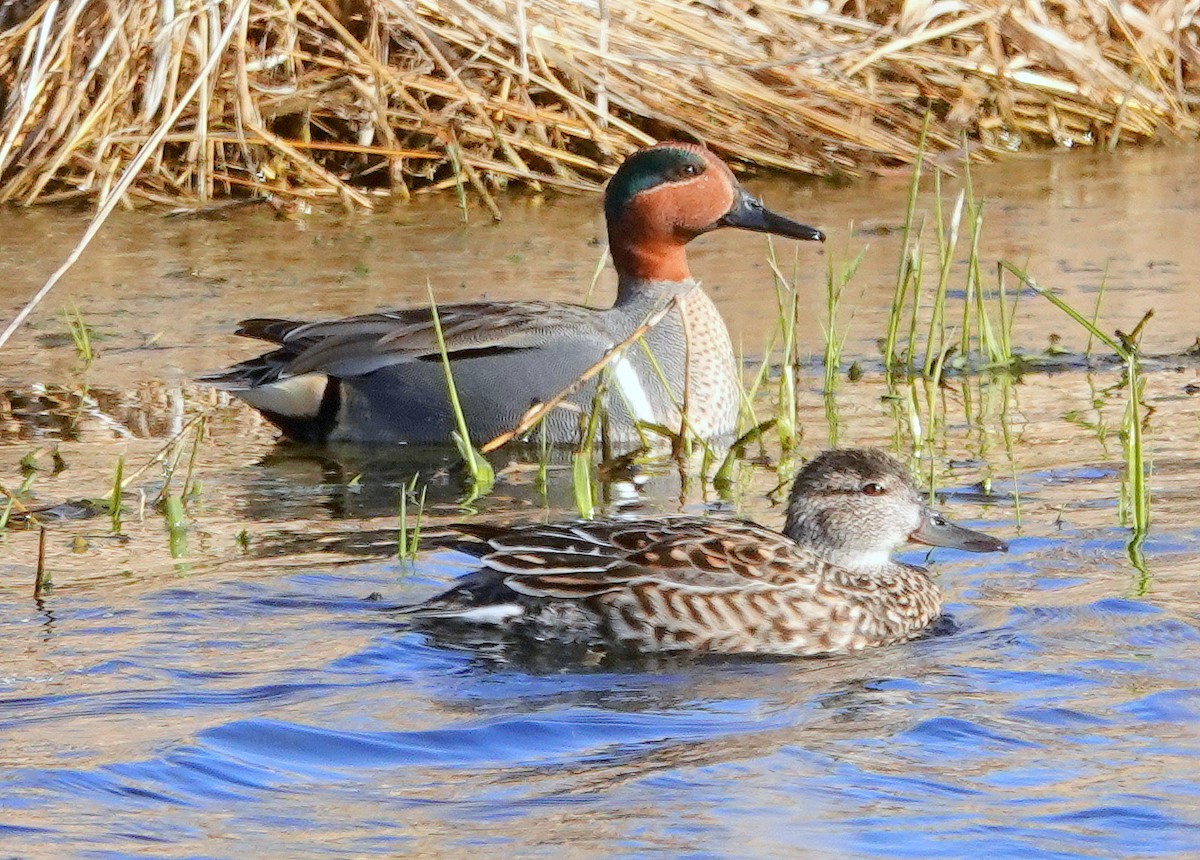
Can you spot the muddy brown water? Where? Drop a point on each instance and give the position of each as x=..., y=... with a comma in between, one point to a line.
x=233, y=690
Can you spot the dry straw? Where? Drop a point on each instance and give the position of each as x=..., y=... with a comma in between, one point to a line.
x=345, y=98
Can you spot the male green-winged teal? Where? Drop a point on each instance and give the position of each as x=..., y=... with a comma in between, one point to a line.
x=379, y=377
x=827, y=584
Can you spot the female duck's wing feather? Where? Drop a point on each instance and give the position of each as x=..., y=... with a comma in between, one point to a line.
x=586, y=559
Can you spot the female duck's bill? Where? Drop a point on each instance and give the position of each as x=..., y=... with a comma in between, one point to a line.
x=827, y=584
x=936, y=530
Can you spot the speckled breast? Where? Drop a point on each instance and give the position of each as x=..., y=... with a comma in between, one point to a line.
x=713, y=382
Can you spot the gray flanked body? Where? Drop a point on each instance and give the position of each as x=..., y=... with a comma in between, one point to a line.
x=634, y=389
x=826, y=585
x=407, y=400
x=380, y=377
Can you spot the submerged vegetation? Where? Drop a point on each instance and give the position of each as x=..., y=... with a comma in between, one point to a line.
x=348, y=98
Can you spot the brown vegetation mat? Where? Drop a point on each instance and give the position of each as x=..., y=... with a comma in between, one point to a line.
x=354, y=97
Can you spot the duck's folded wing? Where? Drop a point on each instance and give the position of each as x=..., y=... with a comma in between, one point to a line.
x=557, y=560
x=579, y=560
x=363, y=344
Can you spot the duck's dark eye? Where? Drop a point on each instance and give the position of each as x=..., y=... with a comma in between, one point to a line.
x=690, y=169
x=874, y=489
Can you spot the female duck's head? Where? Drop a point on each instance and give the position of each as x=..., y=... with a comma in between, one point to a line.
x=666, y=195
x=855, y=506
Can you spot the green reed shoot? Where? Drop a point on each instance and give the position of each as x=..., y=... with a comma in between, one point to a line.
x=13, y=498
x=583, y=491
x=541, y=478
x=986, y=318
x=917, y=271
x=114, y=499
x=408, y=539
x=41, y=579
x=1007, y=313
x=748, y=393
x=681, y=442
x=947, y=236
x=724, y=475
x=176, y=520
x=10, y=502
x=994, y=340
x=170, y=465
x=784, y=420
x=904, y=271
x=191, y=486
x=172, y=457
x=974, y=280
x=1005, y=389
x=81, y=333
x=1087, y=350
x=481, y=473
x=835, y=339
x=596, y=273
x=582, y=462
x=835, y=285
x=1135, y=492
x=581, y=484
x=787, y=303
x=912, y=411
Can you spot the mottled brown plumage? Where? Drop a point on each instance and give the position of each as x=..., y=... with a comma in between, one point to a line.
x=827, y=584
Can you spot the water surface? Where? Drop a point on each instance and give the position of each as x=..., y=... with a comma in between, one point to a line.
x=234, y=692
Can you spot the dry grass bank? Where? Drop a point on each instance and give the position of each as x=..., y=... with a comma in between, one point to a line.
x=355, y=97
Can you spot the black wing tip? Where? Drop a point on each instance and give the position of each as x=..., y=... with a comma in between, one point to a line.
x=270, y=329
x=229, y=377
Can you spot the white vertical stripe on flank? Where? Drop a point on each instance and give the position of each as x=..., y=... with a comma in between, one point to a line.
x=631, y=386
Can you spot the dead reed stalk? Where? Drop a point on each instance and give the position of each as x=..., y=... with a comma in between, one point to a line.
x=344, y=98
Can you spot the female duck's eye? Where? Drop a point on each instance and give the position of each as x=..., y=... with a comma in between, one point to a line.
x=874, y=489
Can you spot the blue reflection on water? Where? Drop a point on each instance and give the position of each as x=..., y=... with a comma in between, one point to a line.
x=1060, y=719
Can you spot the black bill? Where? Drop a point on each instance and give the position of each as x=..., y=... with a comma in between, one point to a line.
x=748, y=213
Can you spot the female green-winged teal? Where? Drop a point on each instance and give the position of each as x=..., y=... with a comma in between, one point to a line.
x=827, y=584
x=378, y=377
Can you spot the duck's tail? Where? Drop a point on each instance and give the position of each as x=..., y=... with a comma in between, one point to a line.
x=304, y=407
